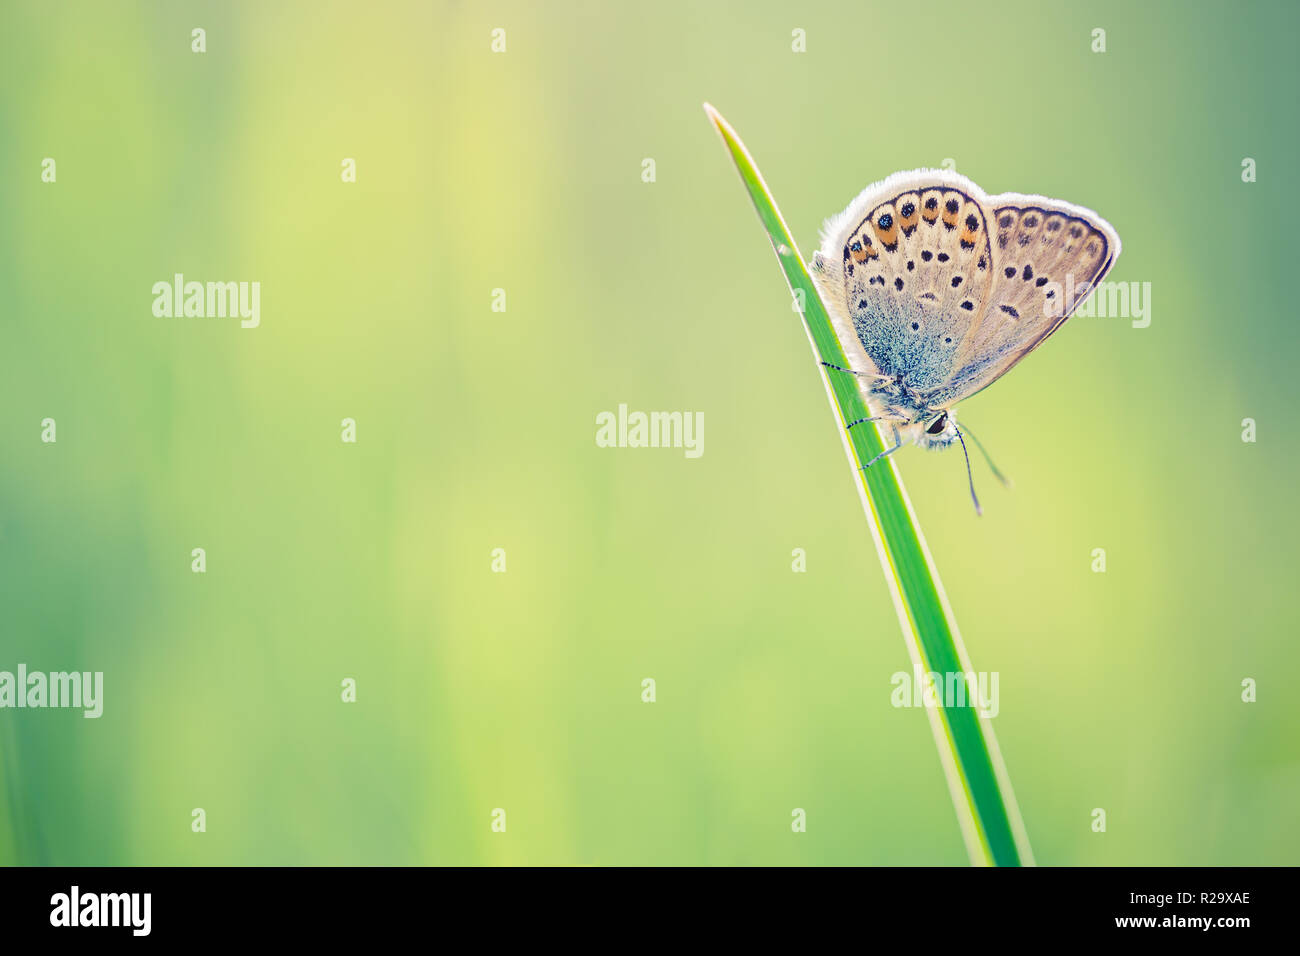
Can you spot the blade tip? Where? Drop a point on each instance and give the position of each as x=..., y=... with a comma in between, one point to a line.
x=716, y=118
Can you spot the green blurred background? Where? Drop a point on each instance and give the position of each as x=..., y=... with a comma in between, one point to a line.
x=522, y=690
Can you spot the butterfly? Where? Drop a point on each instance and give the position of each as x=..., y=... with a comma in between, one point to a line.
x=936, y=291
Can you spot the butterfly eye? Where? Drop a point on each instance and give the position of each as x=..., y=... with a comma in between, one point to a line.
x=937, y=425
x=885, y=221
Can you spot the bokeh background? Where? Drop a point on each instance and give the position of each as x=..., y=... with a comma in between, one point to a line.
x=522, y=690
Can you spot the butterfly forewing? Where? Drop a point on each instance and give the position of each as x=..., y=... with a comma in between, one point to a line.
x=1047, y=256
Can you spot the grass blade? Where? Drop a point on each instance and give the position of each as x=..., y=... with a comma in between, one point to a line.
x=977, y=778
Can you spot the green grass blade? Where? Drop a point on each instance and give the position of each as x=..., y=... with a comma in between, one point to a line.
x=981, y=791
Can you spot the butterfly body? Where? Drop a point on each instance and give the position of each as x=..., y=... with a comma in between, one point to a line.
x=936, y=289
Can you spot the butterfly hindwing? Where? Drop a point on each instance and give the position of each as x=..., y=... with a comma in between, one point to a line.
x=909, y=266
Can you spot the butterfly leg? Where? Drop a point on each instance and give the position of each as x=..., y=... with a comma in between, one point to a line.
x=840, y=368
x=898, y=443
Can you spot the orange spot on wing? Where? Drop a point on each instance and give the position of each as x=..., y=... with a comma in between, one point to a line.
x=912, y=199
x=928, y=214
x=863, y=250
x=887, y=236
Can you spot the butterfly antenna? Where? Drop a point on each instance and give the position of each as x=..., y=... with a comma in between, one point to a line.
x=969, y=477
x=1007, y=482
